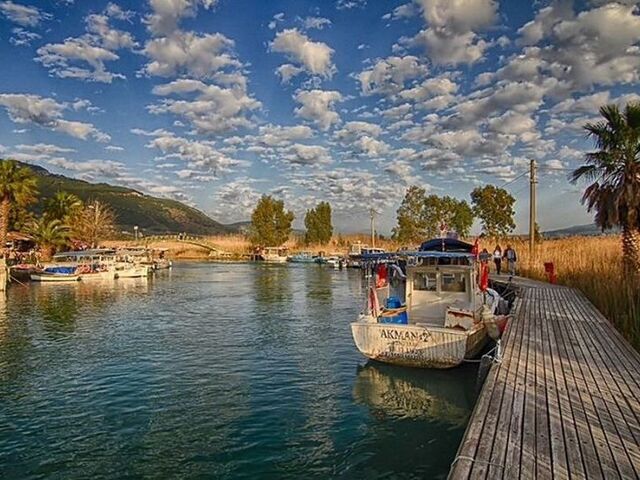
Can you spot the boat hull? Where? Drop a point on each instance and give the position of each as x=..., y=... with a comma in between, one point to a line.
x=49, y=277
x=417, y=346
x=133, y=272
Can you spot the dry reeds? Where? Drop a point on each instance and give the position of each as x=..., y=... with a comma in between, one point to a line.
x=594, y=266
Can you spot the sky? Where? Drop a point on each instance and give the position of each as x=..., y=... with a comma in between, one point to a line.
x=216, y=102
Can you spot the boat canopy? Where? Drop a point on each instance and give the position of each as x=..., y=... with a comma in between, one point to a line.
x=446, y=245
x=96, y=252
x=418, y=254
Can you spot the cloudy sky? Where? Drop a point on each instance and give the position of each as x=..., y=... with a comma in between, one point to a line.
x=215, y=102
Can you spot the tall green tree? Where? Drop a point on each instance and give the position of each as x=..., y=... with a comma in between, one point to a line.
x=270, y=223
x=62, y=206
x=494, y=207
x=95, y=222
x=49, y=234
x=318, y=224
x=613, y=171
x=18, y=189
x=420, y=216
x=411, y=222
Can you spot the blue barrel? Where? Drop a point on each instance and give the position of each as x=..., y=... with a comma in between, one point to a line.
x=401, y=318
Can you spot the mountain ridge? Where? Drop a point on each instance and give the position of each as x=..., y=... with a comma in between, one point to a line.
x=152, y=215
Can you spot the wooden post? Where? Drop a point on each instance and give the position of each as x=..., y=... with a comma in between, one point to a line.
x=373, y=228
x=532, y=211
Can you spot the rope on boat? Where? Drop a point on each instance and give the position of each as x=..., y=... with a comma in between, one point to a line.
x=497, y=358
x=391, y=312
x=14, y=279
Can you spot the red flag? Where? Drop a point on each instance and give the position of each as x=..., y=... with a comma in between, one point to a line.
x=475, y=250
x=484, y=276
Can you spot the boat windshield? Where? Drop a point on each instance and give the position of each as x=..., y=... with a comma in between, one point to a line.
x=453, y=282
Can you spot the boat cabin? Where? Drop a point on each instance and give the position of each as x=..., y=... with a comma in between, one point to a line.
x=96, y=256
x=442, y=291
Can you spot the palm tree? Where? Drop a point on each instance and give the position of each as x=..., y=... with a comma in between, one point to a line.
x=49, y=235
x=62, y=206
x=18, y=188
x=95, y=222
x=614, y=173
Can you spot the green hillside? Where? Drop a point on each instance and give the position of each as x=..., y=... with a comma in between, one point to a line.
x=150, y=214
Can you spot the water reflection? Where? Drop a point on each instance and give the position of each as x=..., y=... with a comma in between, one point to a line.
x=209, y=371
x=272, y=284
x=415, y=393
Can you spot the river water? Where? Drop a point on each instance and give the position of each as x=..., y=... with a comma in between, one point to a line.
x=214, y=371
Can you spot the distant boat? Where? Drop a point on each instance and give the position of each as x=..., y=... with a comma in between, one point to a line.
x=356, y=250
x=93, y=264
x=302, y=257
x=273, y=255
x=435, y=317
x=56, y=274
x=131, y=270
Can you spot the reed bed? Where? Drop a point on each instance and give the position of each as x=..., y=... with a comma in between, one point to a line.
x=594, y=266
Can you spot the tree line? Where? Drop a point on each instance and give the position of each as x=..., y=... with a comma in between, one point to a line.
x=422, y=216
x=271, y=223
x=65, y=217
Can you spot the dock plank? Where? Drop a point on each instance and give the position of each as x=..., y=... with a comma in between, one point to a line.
x=564, y=402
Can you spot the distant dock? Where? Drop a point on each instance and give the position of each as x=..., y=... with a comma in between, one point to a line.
x=564, y=402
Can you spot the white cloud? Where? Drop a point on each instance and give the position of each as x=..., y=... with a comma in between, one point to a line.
x=318, y=107
x=388, y=75
x=200, y=155
x=84, y=57
x=167, y=14
x=307, y=155
x=106, y=36
x=318, y=23
x=353, y=130
x=22, y=37
x=350, y=4
x=44, y=149
x=597, y=46
x=24, y=15
x=188, y=53
x=452, y=37
x=314, y=57
x=406, y=10
x=47, y=113
x=214, y=109
x=57, y=57
x=277, y=136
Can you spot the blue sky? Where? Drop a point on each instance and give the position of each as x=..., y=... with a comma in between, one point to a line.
x=215, y=102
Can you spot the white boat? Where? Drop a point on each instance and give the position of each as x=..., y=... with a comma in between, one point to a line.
x=55, y=274
x=434, y=318
x=356, y=250
x=94, y=264
x=273, y=255
x=131, y=270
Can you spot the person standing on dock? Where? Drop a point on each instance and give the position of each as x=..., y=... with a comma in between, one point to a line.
x=511, y=258
x=497, y=258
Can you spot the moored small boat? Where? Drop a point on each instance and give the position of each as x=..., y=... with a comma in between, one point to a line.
x=131, y=270
x=435, y=315
x=56, y=274
x=302, y=257
x=273, y=255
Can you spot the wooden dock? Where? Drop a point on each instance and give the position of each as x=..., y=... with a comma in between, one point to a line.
x=565, y=400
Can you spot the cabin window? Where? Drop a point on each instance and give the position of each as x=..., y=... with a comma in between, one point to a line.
x=453, y=282
x=425, y=281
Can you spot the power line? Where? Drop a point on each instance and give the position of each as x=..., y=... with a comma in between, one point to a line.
x=514, y=179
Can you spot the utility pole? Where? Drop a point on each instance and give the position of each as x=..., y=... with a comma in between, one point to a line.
x=532, y=210
x=372, y=212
